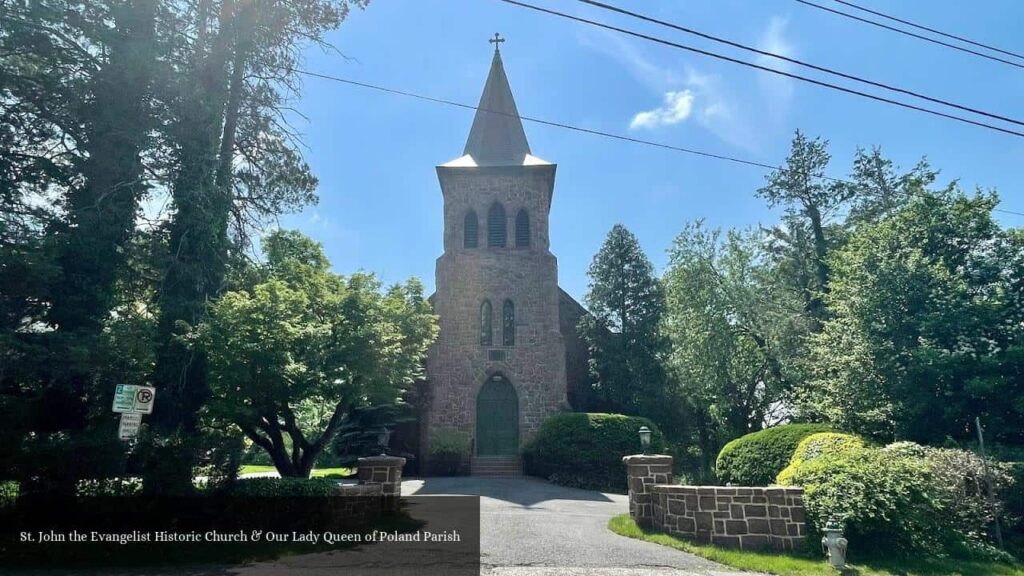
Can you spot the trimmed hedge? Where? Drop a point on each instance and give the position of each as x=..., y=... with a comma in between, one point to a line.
x=285, y=487
x=816, y=445
x=585, y=450
x=756, y=459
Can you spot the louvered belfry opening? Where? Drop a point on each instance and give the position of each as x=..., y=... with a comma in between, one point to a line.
x=496, y=233
x=522, y=229
x=470, y=230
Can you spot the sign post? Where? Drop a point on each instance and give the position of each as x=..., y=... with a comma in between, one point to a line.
x=131, y=402
x=129, y=428
x=132, y=399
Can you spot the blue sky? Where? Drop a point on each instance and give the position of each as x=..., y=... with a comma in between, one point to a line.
x=374, y=153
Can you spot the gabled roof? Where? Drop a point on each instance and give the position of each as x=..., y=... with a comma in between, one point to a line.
x=497, y=137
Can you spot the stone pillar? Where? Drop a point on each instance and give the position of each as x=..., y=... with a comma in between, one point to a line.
x=642, y=472
x=387, y=472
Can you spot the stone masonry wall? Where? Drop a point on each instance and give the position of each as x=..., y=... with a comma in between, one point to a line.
x=385, y=472
x=644, y=472
x=457, y=364
x=750, y=518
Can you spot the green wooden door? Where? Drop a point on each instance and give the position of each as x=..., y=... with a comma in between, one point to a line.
x=497, y=419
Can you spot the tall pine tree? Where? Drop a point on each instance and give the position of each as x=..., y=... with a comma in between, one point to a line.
x=626, y=302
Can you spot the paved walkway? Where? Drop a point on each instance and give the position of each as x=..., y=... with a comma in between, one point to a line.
x=533, y=528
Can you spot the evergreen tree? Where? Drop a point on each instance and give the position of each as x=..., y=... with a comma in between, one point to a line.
x=622, y=332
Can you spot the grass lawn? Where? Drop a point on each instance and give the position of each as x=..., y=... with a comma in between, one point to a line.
x=796, y=565
x=318, y=473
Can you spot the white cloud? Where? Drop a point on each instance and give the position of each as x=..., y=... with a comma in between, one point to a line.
x=678, y=106
x=776, y=91
x=741, y=109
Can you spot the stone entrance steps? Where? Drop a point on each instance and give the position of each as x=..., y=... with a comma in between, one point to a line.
x=496, y=466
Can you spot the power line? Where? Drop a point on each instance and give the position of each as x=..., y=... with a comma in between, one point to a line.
x=590, y=131
x=911, y=34
x=932, y=30
x=765, y=68
x=796, y=61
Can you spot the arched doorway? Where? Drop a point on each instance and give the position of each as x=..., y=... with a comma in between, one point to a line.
x=497, y=418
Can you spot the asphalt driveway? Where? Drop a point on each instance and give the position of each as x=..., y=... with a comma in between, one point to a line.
x=528, y=527
x=532, y=528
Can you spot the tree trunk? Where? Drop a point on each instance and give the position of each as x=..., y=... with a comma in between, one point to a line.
x=198, y=242
x=101, y=212
x=820, y=263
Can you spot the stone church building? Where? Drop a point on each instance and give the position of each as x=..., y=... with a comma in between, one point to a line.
x=508, y=355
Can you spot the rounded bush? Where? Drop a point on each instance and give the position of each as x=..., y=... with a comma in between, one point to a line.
x=757, y=458
x=814, y=446
x=586, y=450
x=904, y=498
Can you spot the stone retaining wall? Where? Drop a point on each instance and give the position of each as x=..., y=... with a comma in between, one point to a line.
x=753, y=518
x=359, y=502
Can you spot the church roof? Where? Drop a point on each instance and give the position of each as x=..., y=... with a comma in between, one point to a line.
x=497, y=137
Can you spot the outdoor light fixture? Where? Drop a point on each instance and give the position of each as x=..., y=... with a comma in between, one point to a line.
x=645, y=438
x=383, y=439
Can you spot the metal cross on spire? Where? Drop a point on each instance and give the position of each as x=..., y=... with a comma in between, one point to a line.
x=496, y=40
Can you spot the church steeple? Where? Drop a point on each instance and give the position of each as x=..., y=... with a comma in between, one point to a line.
x=497, y=137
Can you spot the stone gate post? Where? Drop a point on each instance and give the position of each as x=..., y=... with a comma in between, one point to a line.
x=642, y=472
x=386, y=471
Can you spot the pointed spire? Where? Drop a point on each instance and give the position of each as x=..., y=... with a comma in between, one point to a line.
x=497, y=137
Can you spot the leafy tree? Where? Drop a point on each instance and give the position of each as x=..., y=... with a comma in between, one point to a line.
x=809, y=201
x=926, y=328
x=734, y=331
x=626, y=302
x=298, y=350
x=233, y=164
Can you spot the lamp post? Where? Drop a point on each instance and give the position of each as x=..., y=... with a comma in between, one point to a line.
x=383, y=439
x=645, y=439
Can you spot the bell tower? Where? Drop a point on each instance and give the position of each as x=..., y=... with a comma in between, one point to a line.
x=498, y=367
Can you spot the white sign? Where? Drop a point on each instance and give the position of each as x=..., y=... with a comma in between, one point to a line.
x=129, y=427
x=132, y=399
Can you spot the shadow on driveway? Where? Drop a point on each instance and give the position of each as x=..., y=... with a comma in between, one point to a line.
x=525, y=491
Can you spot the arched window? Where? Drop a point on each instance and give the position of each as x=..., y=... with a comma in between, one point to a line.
x=522, y=229
x=508, y=323
x=470, y=228
x=485, y=323
x=496, y=226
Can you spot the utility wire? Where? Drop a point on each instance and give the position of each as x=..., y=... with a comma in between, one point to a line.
x=834, y=72
x=932, y=30
x=911, y=34
x=765, y=68
x=592, y=132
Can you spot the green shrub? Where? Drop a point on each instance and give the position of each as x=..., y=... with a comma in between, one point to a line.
x=285, y=487
x=586, y=450
x=904, y=498
x=960, y=490
x=882, y=499
x=451, y=444
x=9, y=490
x=815, y=445
x=1013, y=497
x=757, y=458
x=109, y=487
